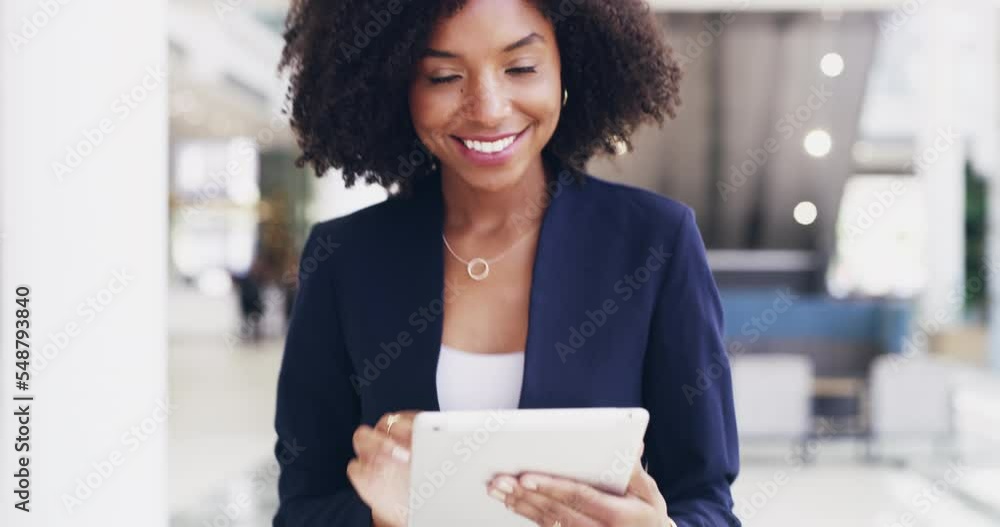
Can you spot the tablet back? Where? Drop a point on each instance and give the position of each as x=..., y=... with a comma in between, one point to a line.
x=455, y=455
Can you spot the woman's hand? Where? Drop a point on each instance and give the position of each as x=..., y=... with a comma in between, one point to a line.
x=381, y=471
x=557, y=502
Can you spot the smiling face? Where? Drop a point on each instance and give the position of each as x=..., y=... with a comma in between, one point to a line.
x=487, y=93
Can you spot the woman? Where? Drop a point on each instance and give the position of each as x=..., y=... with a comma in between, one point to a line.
x=498, y=274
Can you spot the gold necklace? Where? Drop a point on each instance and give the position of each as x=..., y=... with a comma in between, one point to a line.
x=484, y=264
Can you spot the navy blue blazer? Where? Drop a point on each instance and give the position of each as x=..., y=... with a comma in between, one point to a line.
x=624, y=311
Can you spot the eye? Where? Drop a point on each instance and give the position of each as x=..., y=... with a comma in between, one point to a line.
x=522, y=70
x=444, y=80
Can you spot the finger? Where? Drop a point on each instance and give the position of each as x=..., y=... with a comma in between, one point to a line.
x=361, y=475
x=402, y=415
x=357, y=473
x=369, y=445
x=405, y=415
x=402, y=428
x=641, y=484
x=501, y=489
x=536, y=507
x=648, y=491
x=371, y=481
x=575, y=496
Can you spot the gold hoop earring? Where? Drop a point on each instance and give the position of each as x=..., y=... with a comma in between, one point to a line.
x=619, y=145
x=565, y=97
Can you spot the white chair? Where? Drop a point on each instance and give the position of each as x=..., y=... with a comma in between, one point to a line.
x=977, y=416
x=911, y=401
x=773, y=396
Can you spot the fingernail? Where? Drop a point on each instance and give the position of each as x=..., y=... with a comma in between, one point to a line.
x=400, y=454
x=498, y=495
x=530, y=482
x=505, y=485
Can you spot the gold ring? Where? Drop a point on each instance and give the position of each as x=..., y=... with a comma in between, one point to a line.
x=391, y=421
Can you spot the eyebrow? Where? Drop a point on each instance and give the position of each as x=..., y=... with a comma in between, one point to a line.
x=530, y=39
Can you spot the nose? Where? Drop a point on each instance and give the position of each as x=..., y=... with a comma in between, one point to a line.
x=488, y=105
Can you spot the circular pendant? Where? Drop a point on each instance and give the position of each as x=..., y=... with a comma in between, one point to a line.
x=478, y=262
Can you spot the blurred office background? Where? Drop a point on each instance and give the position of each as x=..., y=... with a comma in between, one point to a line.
x=842, y=160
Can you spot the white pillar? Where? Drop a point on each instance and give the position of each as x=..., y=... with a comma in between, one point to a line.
x=939, y=162
x=993, y=189
x=83, y=209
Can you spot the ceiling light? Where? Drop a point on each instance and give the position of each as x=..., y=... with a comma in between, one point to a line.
x=832, y=64
x=805, y=213
x=818, y=143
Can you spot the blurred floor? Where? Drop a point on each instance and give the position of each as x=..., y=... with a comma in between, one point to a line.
x=846, y=492
x=824, y=495
x=222, y=472
x=223, y=395
x=222, y=423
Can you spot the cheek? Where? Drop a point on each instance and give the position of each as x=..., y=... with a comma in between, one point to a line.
x=430, y=112
x=543, y=107
x=419, y=115
x=545, y=100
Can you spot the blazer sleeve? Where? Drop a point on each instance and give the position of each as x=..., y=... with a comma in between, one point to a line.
x=317, y=407
x=691, y=442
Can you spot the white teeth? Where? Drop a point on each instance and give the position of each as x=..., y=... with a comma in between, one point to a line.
x=490, y=148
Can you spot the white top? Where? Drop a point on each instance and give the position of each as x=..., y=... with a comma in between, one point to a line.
x=479, y=381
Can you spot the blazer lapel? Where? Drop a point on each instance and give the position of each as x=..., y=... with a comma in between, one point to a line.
x=402, y=334
x=556, y=299
x=425, y=289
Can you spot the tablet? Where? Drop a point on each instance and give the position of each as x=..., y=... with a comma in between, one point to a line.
x=455, y=454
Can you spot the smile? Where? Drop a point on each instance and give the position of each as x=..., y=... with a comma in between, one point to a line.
x=490, y=147
x=489, y=150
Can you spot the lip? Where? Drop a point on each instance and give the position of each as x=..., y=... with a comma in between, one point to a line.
x=494, y=158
